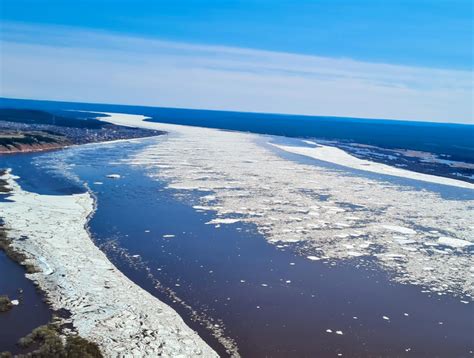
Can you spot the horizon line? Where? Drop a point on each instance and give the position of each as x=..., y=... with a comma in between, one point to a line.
x=104, y=67
x=276, y=114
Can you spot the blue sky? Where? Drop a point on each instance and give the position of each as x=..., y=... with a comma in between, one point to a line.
x=436, y=33
x=421, y=39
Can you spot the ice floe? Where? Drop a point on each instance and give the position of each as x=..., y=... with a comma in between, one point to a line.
x=113, y=176
x=400, y=229
x=323, y=208
x=105, y=306
x=223, y=221
x=455, y=243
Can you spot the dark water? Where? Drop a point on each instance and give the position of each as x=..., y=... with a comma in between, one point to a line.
x=204, y=266
x=29, y=314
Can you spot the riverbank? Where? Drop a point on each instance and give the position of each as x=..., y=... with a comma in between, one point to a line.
x=340, y=157
x=26, y=130
x=105, y=306
x=12, y=142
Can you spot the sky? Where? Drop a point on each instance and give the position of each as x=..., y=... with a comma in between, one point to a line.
x=398, y=59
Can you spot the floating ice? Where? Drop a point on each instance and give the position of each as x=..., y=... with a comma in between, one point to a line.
x=202, y=207
x=313, y=258
x=455, y=243
x=355, y=253
x=391, y=256
x=403, y=240
x=399, y=229
x=81, y=279
x=113, y=176
x=223, y=221
x=266, y=190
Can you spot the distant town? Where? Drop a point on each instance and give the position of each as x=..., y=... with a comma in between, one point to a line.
x=31, y=130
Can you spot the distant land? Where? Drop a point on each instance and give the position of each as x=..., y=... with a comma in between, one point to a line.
x=29, y=130
x=453, y=140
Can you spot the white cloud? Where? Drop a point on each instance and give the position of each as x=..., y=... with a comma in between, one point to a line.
x=67, y=64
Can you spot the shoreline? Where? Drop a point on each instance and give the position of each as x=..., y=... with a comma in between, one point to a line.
x=338, y=156
x=40, y=150
x=32, y=150
x=106, y=307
